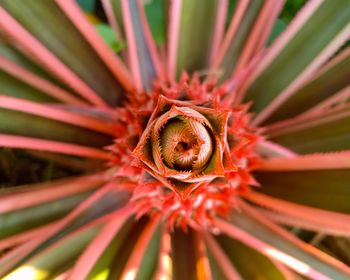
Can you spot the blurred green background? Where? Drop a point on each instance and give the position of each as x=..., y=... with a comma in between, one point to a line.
x=155, y=15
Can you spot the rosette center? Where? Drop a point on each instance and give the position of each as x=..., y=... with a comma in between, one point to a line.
x=186, y=144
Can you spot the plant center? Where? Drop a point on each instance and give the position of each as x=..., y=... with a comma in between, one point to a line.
x=195, y=157
x=186, y=144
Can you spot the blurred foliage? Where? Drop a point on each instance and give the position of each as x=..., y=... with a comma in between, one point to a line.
x=156, y=18
x=19, y=168
x=290, y=9
x=87, y=5
x=339, y=246
x=110, y=37
x=231, y=8
x=277, y=30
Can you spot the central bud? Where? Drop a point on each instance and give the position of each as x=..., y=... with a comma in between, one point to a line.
x=184, y=145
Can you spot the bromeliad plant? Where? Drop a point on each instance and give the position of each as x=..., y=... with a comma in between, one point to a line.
x=200, y=155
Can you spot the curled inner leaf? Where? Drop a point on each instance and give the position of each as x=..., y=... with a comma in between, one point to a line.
x=186, y=144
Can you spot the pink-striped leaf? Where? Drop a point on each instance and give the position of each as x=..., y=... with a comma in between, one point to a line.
x=99, y=206
x=55, y=113
x=15, y=121
x=314, y=133
x=338, y=160
x=143, y=258
x=143, y=57
x=303, y=225
x=297, y=53
x=36, y=50
x=218, y=258
x=25, y=219
x=326, y=189
x=97, y=247
x=20, y=238
x=11, y=53
x=21, y=251
x=116, y=259
x=113, y=12
x=51, y=260
x=46, y=33
x=19, y=82
x=164, y=269
x=20, y=142
x=14, y=87
x=250, y=27
x=106, y=263
x=269, y=149
x=192, y=28
x=243, y=256
x=25, y=207
x=111, y=61
x=15, y=198
x=72, y=162
x=186, y=256
x=319, y=220
x=320, y=88
x=252, y=229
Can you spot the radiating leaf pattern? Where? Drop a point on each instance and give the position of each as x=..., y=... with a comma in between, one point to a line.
x=201, y=138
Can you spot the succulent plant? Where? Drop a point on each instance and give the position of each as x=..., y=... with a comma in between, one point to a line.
x=195, y=158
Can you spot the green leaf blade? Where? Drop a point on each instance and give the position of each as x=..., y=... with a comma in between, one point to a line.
x=299, y=53
x=326, y=189
x=48, y=23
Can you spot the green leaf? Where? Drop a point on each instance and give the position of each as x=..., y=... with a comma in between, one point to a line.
x=11, y=53
x=339, y=246
x=19, y=167
x=232, y=5
x=291, y=8
x=46, y=264
x=238, y=41
x=28, y=218
x=116, y=6
x=197, y=26
x=149, y=262
x=125, y=250
x=87, y=5
x=11, y=86
x=261, y=229
x=110, y=37
x=243, y=257
x=155, y=12
x=102, y=268
x=215, y=269
x=184, y=257
x=279, y=27
x=322, y=133
x=326, y=83
x=140, y=44
x=19, y=123
x=300, y=51
x=71, y=163
x=325, y=189
x=47, y=22
x=107, y=203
